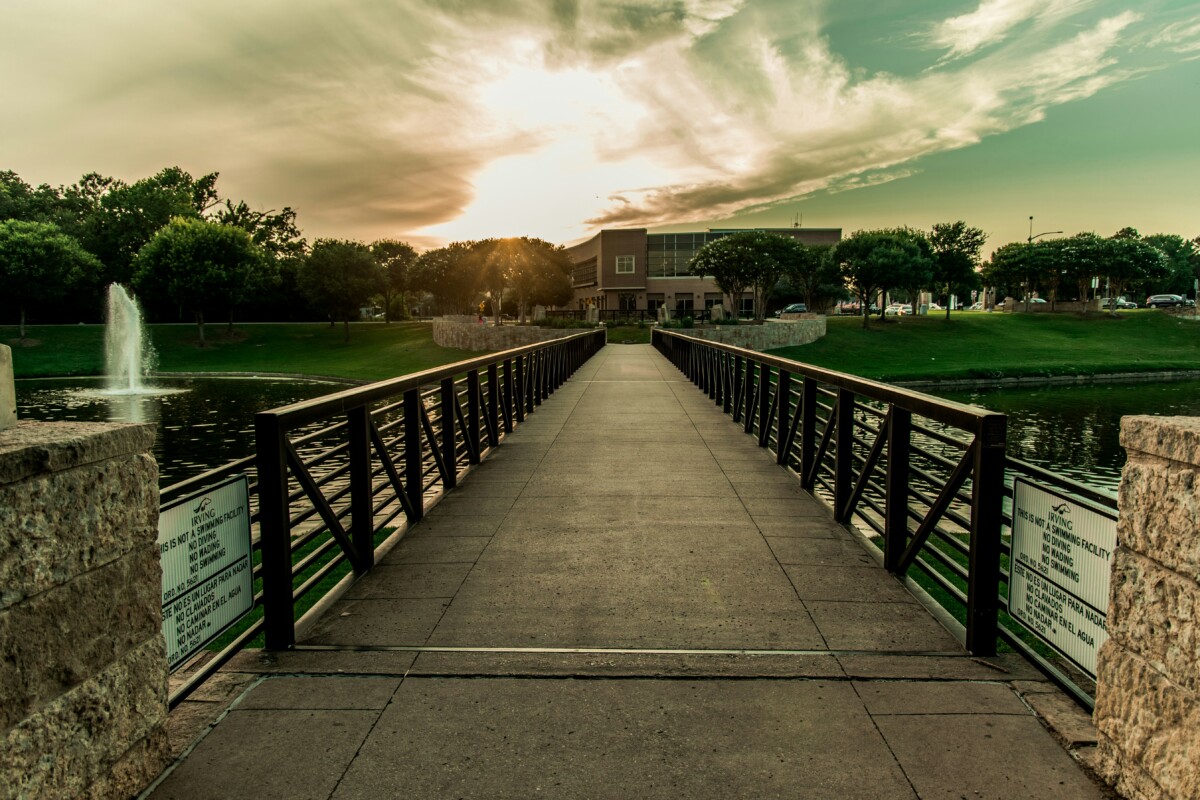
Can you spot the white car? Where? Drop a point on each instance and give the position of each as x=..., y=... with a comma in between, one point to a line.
x=898, y=310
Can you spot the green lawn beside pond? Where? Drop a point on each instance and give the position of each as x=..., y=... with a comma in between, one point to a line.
x=970, y=345
x=981, y=345
x=375, y=351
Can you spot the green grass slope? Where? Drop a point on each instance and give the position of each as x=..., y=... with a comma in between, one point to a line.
x=375, y=351
x=980, y=345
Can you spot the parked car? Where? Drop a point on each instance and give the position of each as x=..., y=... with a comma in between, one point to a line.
x=1120, y=302
x=1165, y=301
x=898, y=310
x=1034, y=301
x=794, y=308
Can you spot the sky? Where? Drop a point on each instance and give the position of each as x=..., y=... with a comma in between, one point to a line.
x=439, y=120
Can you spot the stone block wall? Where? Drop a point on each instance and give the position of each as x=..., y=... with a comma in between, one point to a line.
x=1148, y=672
x=796, y=330
x=83, y=671
x=468, y=333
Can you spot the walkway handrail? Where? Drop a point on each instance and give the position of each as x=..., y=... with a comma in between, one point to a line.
x=885, y=454
x=333, y=477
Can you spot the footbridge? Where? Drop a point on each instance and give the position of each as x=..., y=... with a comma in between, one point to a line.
x=624, y=571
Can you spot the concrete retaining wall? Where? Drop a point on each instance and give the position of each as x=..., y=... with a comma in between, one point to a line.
x=807, y=328
x=83, y=671
x=468, y=333
x=1148, y=672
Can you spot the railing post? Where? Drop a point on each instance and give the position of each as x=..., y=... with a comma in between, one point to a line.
x=508, y=396
x=519, y=389
x=274, y=531
x=473, y=415
x=736, y=406
x=362, y=515
x=895, y=523
x=783, y=414
x=414, y=478
x=727, y=383
x=987, y=492
x=843, y=484
x=493, y=405
x=449, y=445
x=714, y=365
x=764, y=404
x=808, y=434
x=748, y=399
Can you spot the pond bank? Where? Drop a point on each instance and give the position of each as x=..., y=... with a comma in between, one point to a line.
x=1033, y=381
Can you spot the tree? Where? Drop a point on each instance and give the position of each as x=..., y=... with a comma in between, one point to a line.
x=813, y=275
x=340, y=276
x=871, y=261
x=1080, y=259
x=1183, y=262
x=197, y=264
x=38, y=262
x=396, y=260
x=450, y=274
x=913, y=273
x=275, y=232
x=956, y=249
x=748, y=259
x=1017, y=268
x=127, y=216
x=1130, y=260
x=534, y=271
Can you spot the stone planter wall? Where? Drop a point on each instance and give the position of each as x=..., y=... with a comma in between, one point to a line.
x=468, y=333
x=83, y=671
x=796, y=330
x=1148, y=672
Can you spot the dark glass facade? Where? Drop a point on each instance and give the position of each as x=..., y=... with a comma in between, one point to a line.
x=668, y=254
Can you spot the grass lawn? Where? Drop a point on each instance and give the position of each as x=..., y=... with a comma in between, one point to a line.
x=629, y=334
x=980, y=345
x=376, y=351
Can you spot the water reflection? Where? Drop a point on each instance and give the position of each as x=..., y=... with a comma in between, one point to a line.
x=1075, y=430
x=202, y=422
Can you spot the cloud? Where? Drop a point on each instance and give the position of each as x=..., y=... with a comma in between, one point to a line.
x=430, y=119
x=821, y=128
x=993, y=20
x=1179, y=37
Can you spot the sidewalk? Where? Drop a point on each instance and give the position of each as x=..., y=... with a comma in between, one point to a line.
x=628, y=599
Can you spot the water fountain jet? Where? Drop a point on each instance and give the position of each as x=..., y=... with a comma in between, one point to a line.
x=128, y=355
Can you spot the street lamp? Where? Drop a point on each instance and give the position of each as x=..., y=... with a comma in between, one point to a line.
x=1032, y=236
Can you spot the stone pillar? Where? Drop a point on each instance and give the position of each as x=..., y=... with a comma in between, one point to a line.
x=1148, y=672
x=8, y=392
x=83, y=671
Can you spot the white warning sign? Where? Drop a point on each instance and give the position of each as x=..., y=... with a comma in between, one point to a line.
x=208, y=580
x=1059, y=573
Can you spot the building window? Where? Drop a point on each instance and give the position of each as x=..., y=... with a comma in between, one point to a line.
x=628, y=303
x=624, y=265
x=747, y=309
x=654, y=302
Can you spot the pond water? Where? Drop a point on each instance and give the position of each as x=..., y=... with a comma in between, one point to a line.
x=1075, y=430
x=202, y=422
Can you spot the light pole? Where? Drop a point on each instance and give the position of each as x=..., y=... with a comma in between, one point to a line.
x=1033, y=236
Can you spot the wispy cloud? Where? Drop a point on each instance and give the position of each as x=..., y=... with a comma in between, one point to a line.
x=435, y=119
x=993, y=20
x=1180, y=37
x=820, y=127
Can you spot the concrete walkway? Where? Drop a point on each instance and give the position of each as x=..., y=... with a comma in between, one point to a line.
x=628, y=599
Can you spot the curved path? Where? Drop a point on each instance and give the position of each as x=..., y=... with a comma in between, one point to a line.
x=629, y=599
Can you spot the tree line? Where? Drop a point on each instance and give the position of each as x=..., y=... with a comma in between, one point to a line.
x=944, y=261
x=191, y=254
